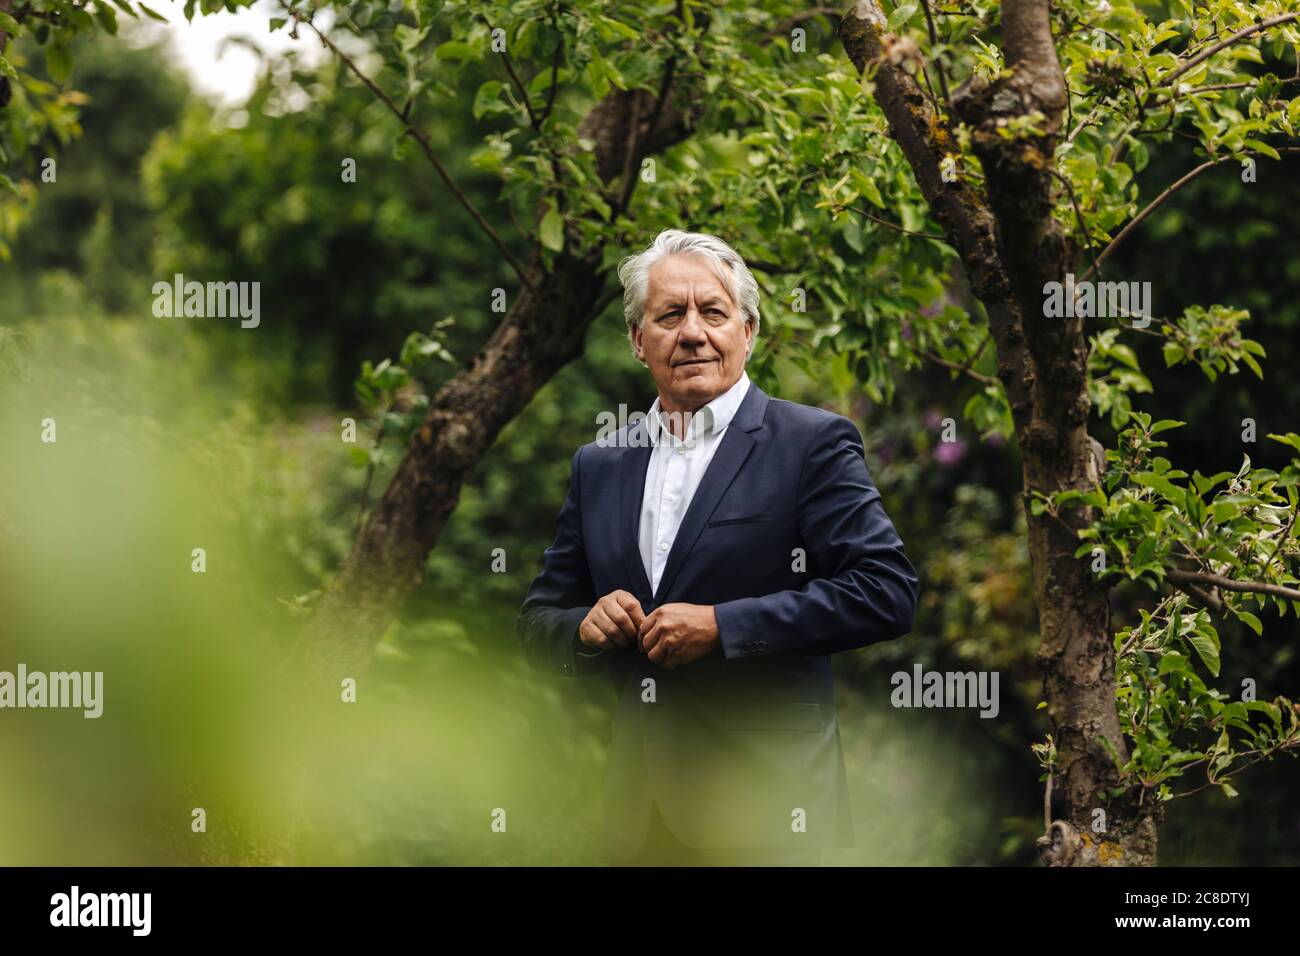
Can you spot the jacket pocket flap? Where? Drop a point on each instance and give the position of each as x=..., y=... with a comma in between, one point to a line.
x=744, y=519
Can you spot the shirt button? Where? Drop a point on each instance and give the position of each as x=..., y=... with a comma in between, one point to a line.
x=671, y=496
x=681, y=451
x=663, y=545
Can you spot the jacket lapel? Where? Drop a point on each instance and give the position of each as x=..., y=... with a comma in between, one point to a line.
x=632, y=470
x=737, y=442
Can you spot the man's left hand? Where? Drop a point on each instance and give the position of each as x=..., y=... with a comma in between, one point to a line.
x=676, y=634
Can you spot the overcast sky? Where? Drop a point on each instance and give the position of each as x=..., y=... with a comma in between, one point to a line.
x=232, y=75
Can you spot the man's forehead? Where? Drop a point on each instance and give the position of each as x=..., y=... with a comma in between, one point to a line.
x=676, y=277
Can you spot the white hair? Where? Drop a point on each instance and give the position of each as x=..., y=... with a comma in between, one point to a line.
x=726, y=263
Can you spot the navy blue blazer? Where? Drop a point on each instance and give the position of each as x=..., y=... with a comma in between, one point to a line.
x=787, y=538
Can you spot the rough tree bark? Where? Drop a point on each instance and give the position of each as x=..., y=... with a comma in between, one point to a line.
x=1010, y=245
x=544, y=329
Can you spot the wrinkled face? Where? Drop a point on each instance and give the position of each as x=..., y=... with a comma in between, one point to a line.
x=692, y=335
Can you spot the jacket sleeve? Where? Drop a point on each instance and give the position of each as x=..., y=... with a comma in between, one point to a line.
x=561, y=595
x=868, y=589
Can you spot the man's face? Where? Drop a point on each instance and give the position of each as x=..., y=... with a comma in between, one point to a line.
x=691, y=335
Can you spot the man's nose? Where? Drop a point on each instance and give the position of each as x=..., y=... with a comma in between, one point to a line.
x=693, y=326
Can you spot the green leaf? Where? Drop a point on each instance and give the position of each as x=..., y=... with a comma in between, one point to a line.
x=488, y=99
x=1207, y=647
x=152, y=13
x=618, y=28
x=1251, y=620
x=1173, y=662
x=1261, y=147
x=1162, y=485
x=409, y=37
x=427, y=10
x=902, y=13
x=551, y=232
x=455, y=50
x=58, y=60
x=107, y=18
x=1290, y=438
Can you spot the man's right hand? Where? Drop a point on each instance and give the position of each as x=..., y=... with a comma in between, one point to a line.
x=613, y=621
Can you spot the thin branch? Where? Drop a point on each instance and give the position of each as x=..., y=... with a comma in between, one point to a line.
x=1087, y=121
x=372, y=464
x=895, y=227
x=1083, y=228
x=964, y=369
x=1240, y=34
x=934, y=41
x=1219, y=87
x=1228, y=584
x=1286, y=533
x=975, y=356
x=1160, y=200
x=519, y=85
x=555, y=65
x=425, y=146
x=633, y=142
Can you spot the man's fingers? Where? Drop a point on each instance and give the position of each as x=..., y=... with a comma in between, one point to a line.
x=591, y=635
x=621, y=619
x=647, y=623
x=659, y=651
x=607, y=626
x=649, y=637
x=633, y=607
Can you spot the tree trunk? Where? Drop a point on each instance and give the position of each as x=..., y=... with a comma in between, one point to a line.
x=1011, y=246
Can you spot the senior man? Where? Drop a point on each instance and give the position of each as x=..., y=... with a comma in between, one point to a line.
x=708, y=560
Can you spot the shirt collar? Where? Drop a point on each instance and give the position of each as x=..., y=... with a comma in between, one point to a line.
x=713, y=417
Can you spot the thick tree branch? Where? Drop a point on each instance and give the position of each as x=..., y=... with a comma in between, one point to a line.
x=928, y=146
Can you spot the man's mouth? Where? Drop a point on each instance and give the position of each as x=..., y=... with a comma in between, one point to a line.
x=693, y=362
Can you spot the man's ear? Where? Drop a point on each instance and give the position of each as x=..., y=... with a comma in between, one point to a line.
x=636, y=343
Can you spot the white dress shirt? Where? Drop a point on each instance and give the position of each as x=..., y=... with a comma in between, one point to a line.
x=674, y=473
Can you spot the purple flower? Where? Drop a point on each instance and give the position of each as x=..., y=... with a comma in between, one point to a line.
x=949, y=453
